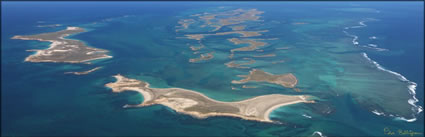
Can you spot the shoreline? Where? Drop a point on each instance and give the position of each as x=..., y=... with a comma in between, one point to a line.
x=270, y=110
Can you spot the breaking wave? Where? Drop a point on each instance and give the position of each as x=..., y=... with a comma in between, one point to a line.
x=307, y=116
x=355, y=37
x=411, y=85
x=318, y=133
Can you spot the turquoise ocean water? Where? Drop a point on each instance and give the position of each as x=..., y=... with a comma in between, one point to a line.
x=39, y=99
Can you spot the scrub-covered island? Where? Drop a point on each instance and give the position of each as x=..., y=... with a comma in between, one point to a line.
x=62, y=49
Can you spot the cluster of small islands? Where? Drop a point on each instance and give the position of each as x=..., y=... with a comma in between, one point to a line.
x=236, y=20
x=64, y=50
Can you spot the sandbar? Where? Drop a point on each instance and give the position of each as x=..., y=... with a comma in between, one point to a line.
x=206, y=56
x=245, y=86
x=84, y=72
x=185, y=24
x=283, y=48
x=265, y=55
x=253, y=44
x=194, y=48
x=232, y=64
x=240, y=27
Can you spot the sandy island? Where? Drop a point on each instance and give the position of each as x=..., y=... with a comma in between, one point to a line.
x=62, y=49
x=185, y=24
x=253, y=44
x=285, y=80
x=232, y=64
x=206, y=56
x=245, y=86
x=200, y=106
x=235, y=28
x=265, y=55
x=84, y=72
x=195, y=48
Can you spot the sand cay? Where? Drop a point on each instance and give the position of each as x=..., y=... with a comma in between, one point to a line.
x=62, y=49
x=84, y=72
x=195, y=48
x=245, y=86
x=265, y=55
x=285, y=80
x=200, y=106
x=206, y=56
x=241, y=27
x=185, y=24
x=232, y=64
x=253, y=44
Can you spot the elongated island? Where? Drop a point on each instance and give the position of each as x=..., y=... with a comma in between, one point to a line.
x=285, y=80
x=200, y=106
x=63, y=49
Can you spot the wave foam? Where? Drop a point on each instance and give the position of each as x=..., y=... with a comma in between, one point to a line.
x=355, y=38
x=355, y=42
x=318, y=133
x=372, y=45
x=411, y=87
x=407, y=120
x=307, y=116
x=362, y=23
x=373, y=37
x=378, y=113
